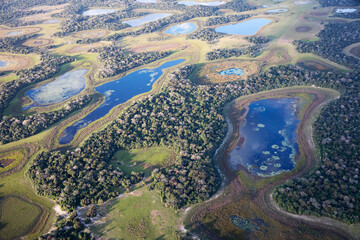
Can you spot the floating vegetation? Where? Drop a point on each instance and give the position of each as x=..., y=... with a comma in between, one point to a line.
x=277, y=165
x=275, y=158
x=274, y=146
x=244, y=224
x=264, y=168
x=256, y=129
x=260, y=125
x=266, y=152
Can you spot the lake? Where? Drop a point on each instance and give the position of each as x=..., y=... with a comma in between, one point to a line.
x=183, y=28
x=301, y=2
x=146, y=19
x=98, y=11
x=118, y=92
x=64, y=87
x=14, y=33
x=345, y=10
x=248, y=27
x=268, y=143
x=192, y=3
x=3, y=63
x=278, y=10
x=232, y=71
x=51, y=21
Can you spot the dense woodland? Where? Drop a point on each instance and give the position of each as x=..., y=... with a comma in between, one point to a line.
x=205, y=34
x=14, y=44
x=340, y=3
x=332, y=43
x=13, y=128
x=117, y=60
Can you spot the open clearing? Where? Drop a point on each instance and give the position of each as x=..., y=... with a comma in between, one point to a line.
x=15, y=62
x=38, y=42
x=97, y=33
x=12, y=32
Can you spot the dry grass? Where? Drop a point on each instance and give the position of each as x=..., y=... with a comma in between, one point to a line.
x=97, y=33
x=38, y=42
x=15, y=62
x=4, y=31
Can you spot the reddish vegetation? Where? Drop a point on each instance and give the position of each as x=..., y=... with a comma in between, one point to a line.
x=318, y=13
x=355, y=51
x=303, y=29
x=6, y=162
x=314, y=65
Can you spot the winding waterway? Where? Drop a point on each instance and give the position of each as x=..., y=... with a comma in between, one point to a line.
x=117, y=92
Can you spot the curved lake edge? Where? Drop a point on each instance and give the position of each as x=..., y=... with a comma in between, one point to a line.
x=236, y=186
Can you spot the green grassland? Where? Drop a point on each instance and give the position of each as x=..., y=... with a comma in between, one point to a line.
x=138, y=215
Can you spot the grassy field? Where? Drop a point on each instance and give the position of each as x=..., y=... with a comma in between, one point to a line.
x=18, y=217
x=11, y=159
x=137, y=215
x=143, y=160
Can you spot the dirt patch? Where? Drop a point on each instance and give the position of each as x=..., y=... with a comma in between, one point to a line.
x=15, y=32
x=355, y=51
x=210, y=73
x=164, y=47
x=318, y=13
x=38, y=42
x=314, y=65
x=6, y=162
x=98, y=33
x=303, y=29
x=14, y=63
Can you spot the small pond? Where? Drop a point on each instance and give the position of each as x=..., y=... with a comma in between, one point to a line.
x=3, y=63
x=14, y=33
x=346, y=10
x=192, y=3
x=117, y=92
x=183, y=28
x=301, y=2
x=51, y=21
x=232, y=71
x=278, y=10
x=248, y=27
x=268, y=138
x=98, y=11
x=64, y=87
x=147, y=1
x=148, y=18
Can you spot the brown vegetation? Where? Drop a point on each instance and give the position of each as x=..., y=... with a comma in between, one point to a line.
x=15, y=62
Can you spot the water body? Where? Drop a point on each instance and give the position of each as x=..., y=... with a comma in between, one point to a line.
x=117, y=92
x=346, y=10
x=248, y=27
x=64, y=87
x=192, y=3
x=232, y=71
x=278, y=10
x=269, y=131
x=98, y=11
x=183, y=28
x=147, y=1
x=300, y=2
x=3, y=63
x=14, y=33
x=148, y=18
x=51, y=21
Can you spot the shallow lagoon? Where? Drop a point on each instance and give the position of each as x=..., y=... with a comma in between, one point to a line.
x=248, y=27
x=183, y=28
x=278, y=10
x=14, y=33
x=64, y=87
x=117, y=92
x=3, y=64
x=98, y=11
x=192, y=3
x=148, y=18
x=51, y=21
x=147, y=1
x=232, y=71
x=346, y=10
x=269, y=130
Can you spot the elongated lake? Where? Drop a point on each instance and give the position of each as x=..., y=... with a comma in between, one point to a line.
x=64, y=87
x=117, y=92
x=183, y=28
x=98, y=11
x=3, y=64
x=248, y=27
x=146, y=19
x=268, y=138
x=14, y=33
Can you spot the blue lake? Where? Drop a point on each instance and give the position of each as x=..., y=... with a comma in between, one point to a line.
x=278, y=10
x=117, y=92
x=232, y=71
x=3, y=64
x=268, y=143
x=64, y=87
x=192, y=3
x=346, y=10
x=98, y=11
x=14, y=33
x=183, y=28
x=148, y=18
x=248, y=27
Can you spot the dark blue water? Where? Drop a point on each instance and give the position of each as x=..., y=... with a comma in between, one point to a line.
x=270, y=144
x=117, y=92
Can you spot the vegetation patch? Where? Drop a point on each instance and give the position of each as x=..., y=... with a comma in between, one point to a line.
x=17, y=217
x=10, y=32
x=15, y=62
x=314, y=65
x=98, y=33
x=9, y=160
x=303, y=29
x=140, y=216
x=209, y=72
x=37, y=42
x=143, y=160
